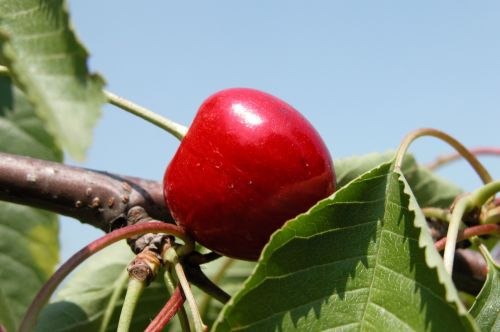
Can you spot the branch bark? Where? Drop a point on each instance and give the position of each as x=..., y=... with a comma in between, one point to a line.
x=97, y=198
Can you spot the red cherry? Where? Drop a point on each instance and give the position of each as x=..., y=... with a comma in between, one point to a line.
x=248, y=163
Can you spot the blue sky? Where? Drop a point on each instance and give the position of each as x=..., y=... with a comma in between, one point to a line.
x=364, y=73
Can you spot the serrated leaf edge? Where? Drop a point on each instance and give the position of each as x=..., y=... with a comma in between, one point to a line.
x=432, y=257
x=266, y=251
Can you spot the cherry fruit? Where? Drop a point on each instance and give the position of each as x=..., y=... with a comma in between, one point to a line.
x=248, y=163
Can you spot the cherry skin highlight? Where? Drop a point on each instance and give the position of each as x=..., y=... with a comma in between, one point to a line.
x=248, y=163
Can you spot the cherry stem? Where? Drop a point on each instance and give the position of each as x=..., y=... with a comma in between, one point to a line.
x=167, y=312
x=461, y=149
x=113, y=300
x=62, y=272
x=465, y=204
x=485, y=252
x=171, y=257
x=470, y=232
x=172, y=284
x=170, y=126
x=134, y=292
x=481, y=151
x=437, y=213
x=174, y=128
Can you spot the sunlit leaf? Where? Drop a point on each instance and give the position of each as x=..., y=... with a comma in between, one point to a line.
x=429, y=189
x=49, y=64
x=362, y=260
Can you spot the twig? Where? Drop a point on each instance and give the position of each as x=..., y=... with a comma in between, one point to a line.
x=167, y=312
x=196, y=276
x=469, y=271
x=96, y=198
x=470, y=232
x=481, y=151
x=459, y=147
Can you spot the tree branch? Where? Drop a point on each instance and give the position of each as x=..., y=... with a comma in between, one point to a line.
x=97, y=198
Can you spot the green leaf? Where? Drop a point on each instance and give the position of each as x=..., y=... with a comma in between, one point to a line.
x=7, y=318
x=49, y=63
x=80, y=304
x=430, y=189
x=486, y=308
x=21, y=131
x=29, y=245
x=361, y=260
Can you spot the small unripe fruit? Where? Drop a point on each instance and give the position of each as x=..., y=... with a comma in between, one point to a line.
x=248, y=163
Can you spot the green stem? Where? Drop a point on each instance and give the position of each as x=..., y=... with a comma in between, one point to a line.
x=482, y=195
x=172, y=258
x=486, y=254
x=113, y=300
x=172, y=127
x=437, y=213
x=474, y=200
x=462, y=206
x=171, y=283
x=4, y=71
x=134, y=291
x=471, y=158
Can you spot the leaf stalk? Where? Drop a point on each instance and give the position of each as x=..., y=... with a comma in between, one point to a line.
x=134, y=291
x=461, y=149
x=174, y=128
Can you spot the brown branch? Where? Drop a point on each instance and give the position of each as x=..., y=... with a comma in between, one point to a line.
x=469, y=271
x=97, y=198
